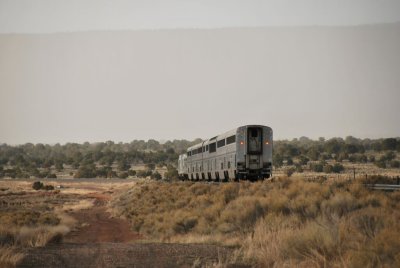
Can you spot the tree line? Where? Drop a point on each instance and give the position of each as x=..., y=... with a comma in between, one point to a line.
x=109, y=159
x=90, y=159
x=315, y=153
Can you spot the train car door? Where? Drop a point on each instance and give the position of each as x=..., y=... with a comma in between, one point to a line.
x=254, y=140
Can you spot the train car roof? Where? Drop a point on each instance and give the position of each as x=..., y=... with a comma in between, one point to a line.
x=221, y=136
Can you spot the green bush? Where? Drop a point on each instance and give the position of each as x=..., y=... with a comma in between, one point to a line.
x=337, y=168
x=37, y=185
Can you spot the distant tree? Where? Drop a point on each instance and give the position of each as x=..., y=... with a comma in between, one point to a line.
x=277, y=160
x=51, y=176
x=156, y=176
x=172, y=173
x=123, y=165
x=86, y=171
x=390, y=156
x=131, y=172
x=389, y=144
x=317, y=167
x=303, y=160
x=299, y=168
x=380, y=164
x=337, y=168
x=394, y=164
x=123, y=175
x=150, y=166
x=59, y=166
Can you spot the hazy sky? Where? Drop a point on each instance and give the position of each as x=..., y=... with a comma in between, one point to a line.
x=43, y=16
x=185, y=83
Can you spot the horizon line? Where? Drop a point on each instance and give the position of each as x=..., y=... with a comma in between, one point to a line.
x=203, y=28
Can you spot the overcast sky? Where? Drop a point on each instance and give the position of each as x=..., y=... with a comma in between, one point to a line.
x=44, y=16
x=335, y=79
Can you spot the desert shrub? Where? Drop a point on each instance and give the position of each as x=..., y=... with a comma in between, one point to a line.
x=289, y=171
x=143, y=173
x=40, y=236
x=281, y=223
x=123, y=175
x=48, y=187
x=131, y=172
x=299, y=169
x=394, y=164
x=37, y=185
x=328, y=168
x=185, y=224
x=7, y=237
x=377, y=179
x=337, y=168
x=317, y=243
x=339, y=204
x=317, y=167
x=230, y=192
x=378, y=239
x=380, y=164
x=156, y=176
x=48, y=219
x=263, y=247
x=28, y=218
x=9, y=257
x=241, y=214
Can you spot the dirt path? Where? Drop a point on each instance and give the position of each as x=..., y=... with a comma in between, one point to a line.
x=95, y=225
x=103, y=241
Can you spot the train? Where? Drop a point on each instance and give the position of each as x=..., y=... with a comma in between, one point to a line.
x=243, y=153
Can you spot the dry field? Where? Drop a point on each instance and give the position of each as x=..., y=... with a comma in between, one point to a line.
x=73, y=225
x=34, y=219
x=282, y=223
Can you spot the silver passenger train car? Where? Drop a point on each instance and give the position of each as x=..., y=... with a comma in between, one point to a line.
x=242, y=153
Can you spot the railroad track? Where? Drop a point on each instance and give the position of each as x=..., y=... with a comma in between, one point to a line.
x=383, y=187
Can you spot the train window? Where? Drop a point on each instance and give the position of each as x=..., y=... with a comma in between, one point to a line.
x=222, y=165
x=254, y=133
x=206, y=148
x=221, y=143
x=212, y=147
x=229, y=164
x=231, y=139
x=199, y=150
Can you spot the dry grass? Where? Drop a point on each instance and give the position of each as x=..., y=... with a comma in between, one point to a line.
x=285, y=223
x=34, y=219
x=77, y=205
x=9, y=257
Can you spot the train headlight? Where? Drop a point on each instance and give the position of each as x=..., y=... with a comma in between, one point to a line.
x=241, y=143
x=266, y=142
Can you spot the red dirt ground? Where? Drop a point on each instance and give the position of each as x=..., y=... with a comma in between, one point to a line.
x=98, y=226
x=103, y=241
